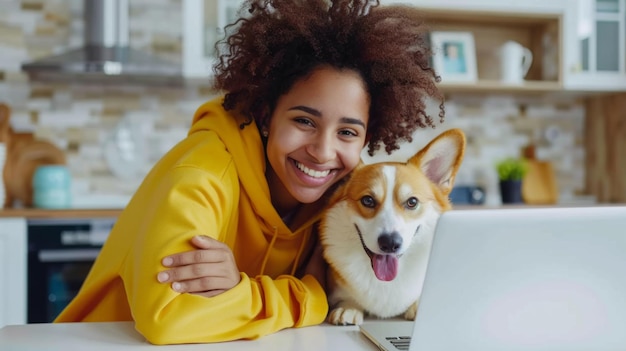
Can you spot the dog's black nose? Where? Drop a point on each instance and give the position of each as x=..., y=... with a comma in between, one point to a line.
x=390, y=243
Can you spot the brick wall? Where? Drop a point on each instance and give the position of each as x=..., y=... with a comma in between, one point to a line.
x=499, y=126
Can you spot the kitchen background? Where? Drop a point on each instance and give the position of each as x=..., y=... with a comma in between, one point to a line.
x=571, y=107
x=112, y=134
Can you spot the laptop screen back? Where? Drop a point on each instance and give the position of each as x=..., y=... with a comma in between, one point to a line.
x=525, y=279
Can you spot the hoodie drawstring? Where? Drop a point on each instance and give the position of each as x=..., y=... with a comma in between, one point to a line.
x=300, y=250
x=269, y=250
x=294, y=267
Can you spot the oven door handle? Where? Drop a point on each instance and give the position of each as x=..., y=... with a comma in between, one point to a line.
x=80, y=255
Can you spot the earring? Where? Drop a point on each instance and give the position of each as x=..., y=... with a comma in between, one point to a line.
x=265, y=132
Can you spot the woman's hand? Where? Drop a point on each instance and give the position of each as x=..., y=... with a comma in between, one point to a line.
x=208, y=271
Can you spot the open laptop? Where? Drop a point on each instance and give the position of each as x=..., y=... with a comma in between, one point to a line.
x=520, y=279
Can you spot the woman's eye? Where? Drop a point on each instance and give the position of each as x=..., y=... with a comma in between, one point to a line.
x=304, y=121
x=412, y=203
x=368, y=201
x=347, y=132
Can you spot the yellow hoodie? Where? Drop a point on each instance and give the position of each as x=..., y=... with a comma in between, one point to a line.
x=211, y=183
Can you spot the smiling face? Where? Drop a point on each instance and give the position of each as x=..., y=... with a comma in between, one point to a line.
x=316, y=134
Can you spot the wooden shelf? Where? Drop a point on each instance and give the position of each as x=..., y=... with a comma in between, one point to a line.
x=494, y=86
x=490, y=31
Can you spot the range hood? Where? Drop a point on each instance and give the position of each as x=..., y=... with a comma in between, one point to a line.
x=106, y=56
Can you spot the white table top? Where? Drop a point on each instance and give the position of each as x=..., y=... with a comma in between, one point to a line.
x=121, y=336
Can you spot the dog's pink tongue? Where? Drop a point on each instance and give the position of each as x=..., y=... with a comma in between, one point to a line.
x=385, y=267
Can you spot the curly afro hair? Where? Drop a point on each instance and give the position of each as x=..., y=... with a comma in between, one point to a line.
x=278, y=42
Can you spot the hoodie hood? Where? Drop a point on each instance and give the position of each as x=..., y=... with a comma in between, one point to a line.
x=248, y=154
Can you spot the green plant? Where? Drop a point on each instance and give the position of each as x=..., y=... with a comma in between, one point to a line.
x=512, y=168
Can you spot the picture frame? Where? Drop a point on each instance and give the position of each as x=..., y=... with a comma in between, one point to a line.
x=454, y=58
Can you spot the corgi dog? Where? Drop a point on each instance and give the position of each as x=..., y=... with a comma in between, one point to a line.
x=377, y=231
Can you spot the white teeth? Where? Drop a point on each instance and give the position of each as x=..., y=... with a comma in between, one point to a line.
x=311, y=172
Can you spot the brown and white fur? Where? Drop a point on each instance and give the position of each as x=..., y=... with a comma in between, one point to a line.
x=378, y=228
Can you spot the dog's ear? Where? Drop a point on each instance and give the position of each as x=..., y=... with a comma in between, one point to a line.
x=441, y=158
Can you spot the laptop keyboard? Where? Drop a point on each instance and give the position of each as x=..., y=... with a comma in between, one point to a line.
x=400, y=342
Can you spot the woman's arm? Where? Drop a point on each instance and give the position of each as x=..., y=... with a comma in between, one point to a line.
x=210, y=269
x=189, y=202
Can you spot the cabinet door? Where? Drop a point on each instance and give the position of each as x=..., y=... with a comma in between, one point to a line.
x=601, y=46
x=13, y=258
x=203, y=25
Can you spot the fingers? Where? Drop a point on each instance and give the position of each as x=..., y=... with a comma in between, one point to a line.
x=212, y=251
x=206, y=279
x=208, y=270
x=204, y=285
x=195, y=271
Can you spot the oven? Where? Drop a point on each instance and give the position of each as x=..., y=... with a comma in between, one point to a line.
x=60, y=255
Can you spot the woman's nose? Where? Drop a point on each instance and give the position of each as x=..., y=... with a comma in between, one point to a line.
x=322, y=148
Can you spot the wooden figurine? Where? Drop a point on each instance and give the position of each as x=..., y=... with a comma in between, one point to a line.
x=24, y=154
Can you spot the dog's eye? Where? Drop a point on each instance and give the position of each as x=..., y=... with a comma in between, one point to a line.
x=368, y=201
x=412, y=203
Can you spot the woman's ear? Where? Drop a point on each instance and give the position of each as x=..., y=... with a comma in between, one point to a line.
x=263, y=121
x=264, y=116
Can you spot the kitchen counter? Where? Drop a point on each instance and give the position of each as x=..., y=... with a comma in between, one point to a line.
x=114, y=212
x=84, y=206
x=69, y=213
x=31, y=213
x=122, y=336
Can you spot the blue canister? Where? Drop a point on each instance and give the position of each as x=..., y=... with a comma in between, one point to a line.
x=52, y=187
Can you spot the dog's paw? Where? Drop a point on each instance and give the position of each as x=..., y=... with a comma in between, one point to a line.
x=411, y=312
x=345, y=316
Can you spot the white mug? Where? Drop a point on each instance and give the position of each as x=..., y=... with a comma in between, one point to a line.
x=515, y=61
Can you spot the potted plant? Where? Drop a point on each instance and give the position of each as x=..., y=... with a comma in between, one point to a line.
x=511, y=172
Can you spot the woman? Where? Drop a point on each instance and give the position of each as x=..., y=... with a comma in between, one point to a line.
x=308, y=84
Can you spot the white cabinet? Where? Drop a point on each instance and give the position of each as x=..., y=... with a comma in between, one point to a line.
x=600, y=47
x=13, y=261
x=203, y=25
